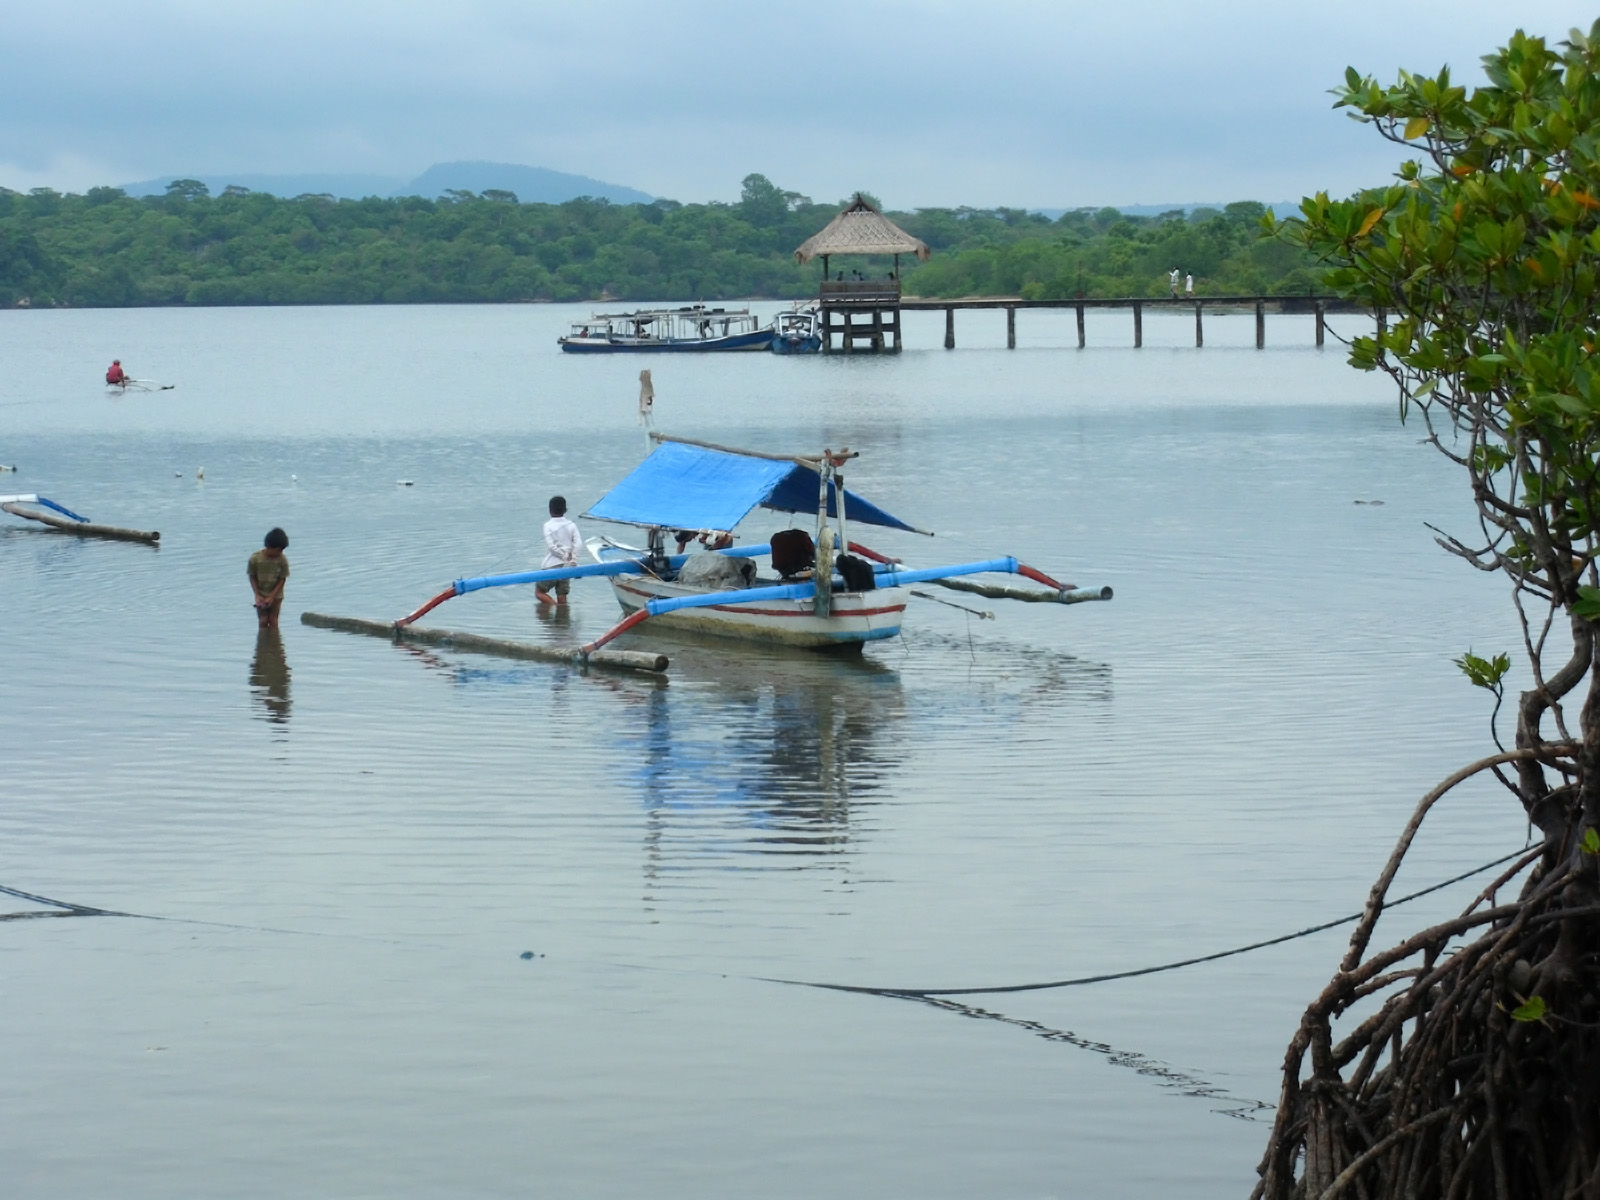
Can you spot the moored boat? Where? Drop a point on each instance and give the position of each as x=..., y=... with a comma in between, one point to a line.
x=854, y=617
x=693, y=328
x=797, y=331
x=822, y=591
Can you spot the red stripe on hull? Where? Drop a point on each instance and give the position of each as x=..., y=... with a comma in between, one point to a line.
x=772, y=612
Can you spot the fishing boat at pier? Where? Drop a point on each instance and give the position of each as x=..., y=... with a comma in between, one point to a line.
x=818, y=589
x=797, y=331
x=693, y=328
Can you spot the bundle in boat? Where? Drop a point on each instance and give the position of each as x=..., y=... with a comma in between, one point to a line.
x=625, y=660
x=70, y=522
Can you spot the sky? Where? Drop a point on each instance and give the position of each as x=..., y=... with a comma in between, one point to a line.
x=1027, y=103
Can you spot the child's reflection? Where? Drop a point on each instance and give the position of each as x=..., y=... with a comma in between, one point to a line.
x=269, y=676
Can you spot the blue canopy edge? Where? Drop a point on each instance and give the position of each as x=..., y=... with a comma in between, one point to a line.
x=684, y=486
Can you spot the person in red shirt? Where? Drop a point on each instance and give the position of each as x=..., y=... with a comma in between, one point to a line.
x=115, y=375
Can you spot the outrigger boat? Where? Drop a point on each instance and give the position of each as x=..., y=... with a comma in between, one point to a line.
x=824, y=592
x=691, y=328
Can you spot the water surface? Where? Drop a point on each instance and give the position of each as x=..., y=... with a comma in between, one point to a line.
x=352, y=845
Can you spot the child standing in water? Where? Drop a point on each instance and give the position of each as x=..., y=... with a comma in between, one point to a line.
x=269, y=571
x=561, y=543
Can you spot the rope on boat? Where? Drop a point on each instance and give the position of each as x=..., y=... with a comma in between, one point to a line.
x=926, y=993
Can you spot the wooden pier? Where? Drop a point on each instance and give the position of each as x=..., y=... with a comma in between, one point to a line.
x=1320, y=306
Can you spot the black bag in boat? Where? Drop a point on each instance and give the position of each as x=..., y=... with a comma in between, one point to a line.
x=857, y=572
x=792, y=552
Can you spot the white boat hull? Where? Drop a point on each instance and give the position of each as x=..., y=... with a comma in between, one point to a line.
x=857, y=617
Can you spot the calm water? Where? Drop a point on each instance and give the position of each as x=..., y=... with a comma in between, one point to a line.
x=352, y=844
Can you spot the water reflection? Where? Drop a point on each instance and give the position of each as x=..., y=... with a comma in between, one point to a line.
x=556, y=618
x=761, y=752
x=269, y=677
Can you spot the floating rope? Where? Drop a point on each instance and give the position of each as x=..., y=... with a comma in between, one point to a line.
x=926, y=993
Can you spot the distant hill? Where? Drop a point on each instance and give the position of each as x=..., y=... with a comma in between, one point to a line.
x=532, y=185
x=1280, y=208
x=346, y=187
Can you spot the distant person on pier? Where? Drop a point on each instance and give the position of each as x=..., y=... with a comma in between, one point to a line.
x=115, y=375
x=268, y=571
x=1188, y=286
x=561, y=550
x=1173, y=280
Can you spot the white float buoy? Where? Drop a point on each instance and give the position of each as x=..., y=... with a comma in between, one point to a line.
x=405, y=482
x=199, y=472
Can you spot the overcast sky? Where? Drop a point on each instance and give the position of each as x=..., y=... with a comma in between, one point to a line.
x=1039, y=103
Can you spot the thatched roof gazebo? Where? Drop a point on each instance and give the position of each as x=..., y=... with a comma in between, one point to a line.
x=861, y=229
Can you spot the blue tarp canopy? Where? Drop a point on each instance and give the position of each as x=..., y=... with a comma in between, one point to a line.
x=684, y=486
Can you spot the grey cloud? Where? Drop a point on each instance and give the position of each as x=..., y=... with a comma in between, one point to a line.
x=1041, y=103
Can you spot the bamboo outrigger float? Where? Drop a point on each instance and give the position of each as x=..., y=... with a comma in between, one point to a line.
x=69, y=521
x=824, y=592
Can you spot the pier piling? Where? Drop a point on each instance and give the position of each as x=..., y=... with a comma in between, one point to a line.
x=1080, y=325
x=1199, y=331
x=1138, y=325
x=1261, y=325
x=1322, y=321
x=949, y=329
x=1011, y=327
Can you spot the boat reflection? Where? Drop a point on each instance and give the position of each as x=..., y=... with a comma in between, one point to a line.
x=762, y=757
x=269, y=678
x=767, y=752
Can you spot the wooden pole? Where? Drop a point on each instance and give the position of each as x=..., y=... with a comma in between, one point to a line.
x=1011, y=327
x=1261, y=324
x=84, y=528
x=1080, y=325
x=629, y=660
x=1322, y=322
x=1032, y=595
x=949, y=329
x=1199, y=331
x=1138, y=325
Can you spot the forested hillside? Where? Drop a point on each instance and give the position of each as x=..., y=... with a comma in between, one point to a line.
x=107, y=249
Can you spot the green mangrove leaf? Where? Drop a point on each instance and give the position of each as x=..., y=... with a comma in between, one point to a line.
x=1531, y=1010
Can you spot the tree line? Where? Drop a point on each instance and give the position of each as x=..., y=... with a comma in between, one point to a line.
x=105, y=248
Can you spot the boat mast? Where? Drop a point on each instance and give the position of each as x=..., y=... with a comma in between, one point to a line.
x=822, y=602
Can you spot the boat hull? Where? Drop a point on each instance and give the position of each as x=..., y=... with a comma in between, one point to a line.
x=759, y=340
x=805, y=345
x=857, y=617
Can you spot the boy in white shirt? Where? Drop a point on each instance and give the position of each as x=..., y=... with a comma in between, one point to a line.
x=561, y=550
